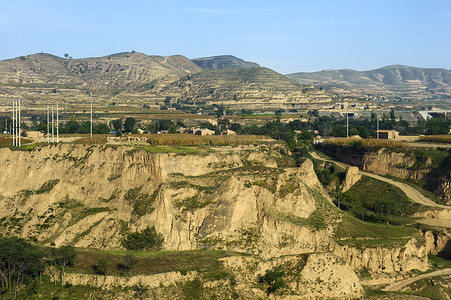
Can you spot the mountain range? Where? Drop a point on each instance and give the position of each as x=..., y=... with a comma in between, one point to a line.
x=395, y=80
x=133, y=77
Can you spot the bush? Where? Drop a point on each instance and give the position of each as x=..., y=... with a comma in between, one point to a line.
x=101, y=267
x=129, y=261
x=273, y=279
x=148, y=239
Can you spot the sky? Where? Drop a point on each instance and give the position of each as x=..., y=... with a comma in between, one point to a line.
x=286, y=36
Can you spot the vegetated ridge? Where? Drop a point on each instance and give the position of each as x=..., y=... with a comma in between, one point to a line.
x=223, y=62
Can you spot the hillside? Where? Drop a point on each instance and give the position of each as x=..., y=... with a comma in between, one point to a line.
x=45, y=77
x=252, y=200
x=223, y=62
x=397, y=80
x=249, y=88
x=136, y=78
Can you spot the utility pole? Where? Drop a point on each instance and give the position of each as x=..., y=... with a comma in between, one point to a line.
x=53, y=127
x=57, y=125
x=48, y=124
x=347, y=125
x=377, y=128
x=14, y=123
x=91, y=114
x=18, y=131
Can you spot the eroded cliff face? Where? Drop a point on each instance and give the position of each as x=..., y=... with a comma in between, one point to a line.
x=411, y=256
x=90, y=196
x=382, y=162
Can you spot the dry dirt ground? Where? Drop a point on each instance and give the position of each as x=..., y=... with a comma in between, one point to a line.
x=397, y=286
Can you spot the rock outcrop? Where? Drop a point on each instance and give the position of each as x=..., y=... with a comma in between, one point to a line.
x=443, y=189
x=351, y=177
x=411, y=256
x=90, y=195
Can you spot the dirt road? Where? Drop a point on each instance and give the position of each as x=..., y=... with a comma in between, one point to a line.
x=396, y=286
x=410, y=191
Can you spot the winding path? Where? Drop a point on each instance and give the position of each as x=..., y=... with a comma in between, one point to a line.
x=396, y=286
x=417, y=197
x=411, y=192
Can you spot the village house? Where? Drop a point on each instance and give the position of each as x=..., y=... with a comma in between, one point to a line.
x=387, y=134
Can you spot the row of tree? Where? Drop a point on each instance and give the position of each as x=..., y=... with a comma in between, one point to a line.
x=326, y=126
x=21, y=262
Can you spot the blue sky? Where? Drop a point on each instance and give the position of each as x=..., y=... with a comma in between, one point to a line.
x=287, y=36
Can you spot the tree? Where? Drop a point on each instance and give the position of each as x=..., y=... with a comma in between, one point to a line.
x=117, y=125
x=66, y=55
x=71, y=126
x=148, y=239
x=20, y=262
x=129, y=124
x=63, y=256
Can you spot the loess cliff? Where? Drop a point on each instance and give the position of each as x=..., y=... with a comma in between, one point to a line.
x=248, y=201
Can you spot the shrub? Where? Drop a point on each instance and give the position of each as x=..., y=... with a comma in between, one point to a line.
x=129, y=261
x=101, y=267
x=273, y=279
x=148, y=239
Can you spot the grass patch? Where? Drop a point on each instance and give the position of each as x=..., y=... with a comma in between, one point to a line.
x=377, y=201
x=46, y=289
x=152, y=262
x=429, y=287
x=141, y=202
x=437, y=262
x=166, y=149
x=354, y=232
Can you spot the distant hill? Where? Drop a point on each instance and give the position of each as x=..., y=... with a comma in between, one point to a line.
x=405, y=81
x=116, y=70
x=251, y=88
x=223, y=62
x=45, y=77
x=137, y=78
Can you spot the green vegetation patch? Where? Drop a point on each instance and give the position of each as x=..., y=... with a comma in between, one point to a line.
x=277, y=280
x=374, y=200
x=147, y=239
x=151, y=262
x=427, y=158
x=192, y=203
x=165, y=149
x=141, y=202
x=432, y=288
x=46, y=187
x=355, y=232
x=290, y=186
